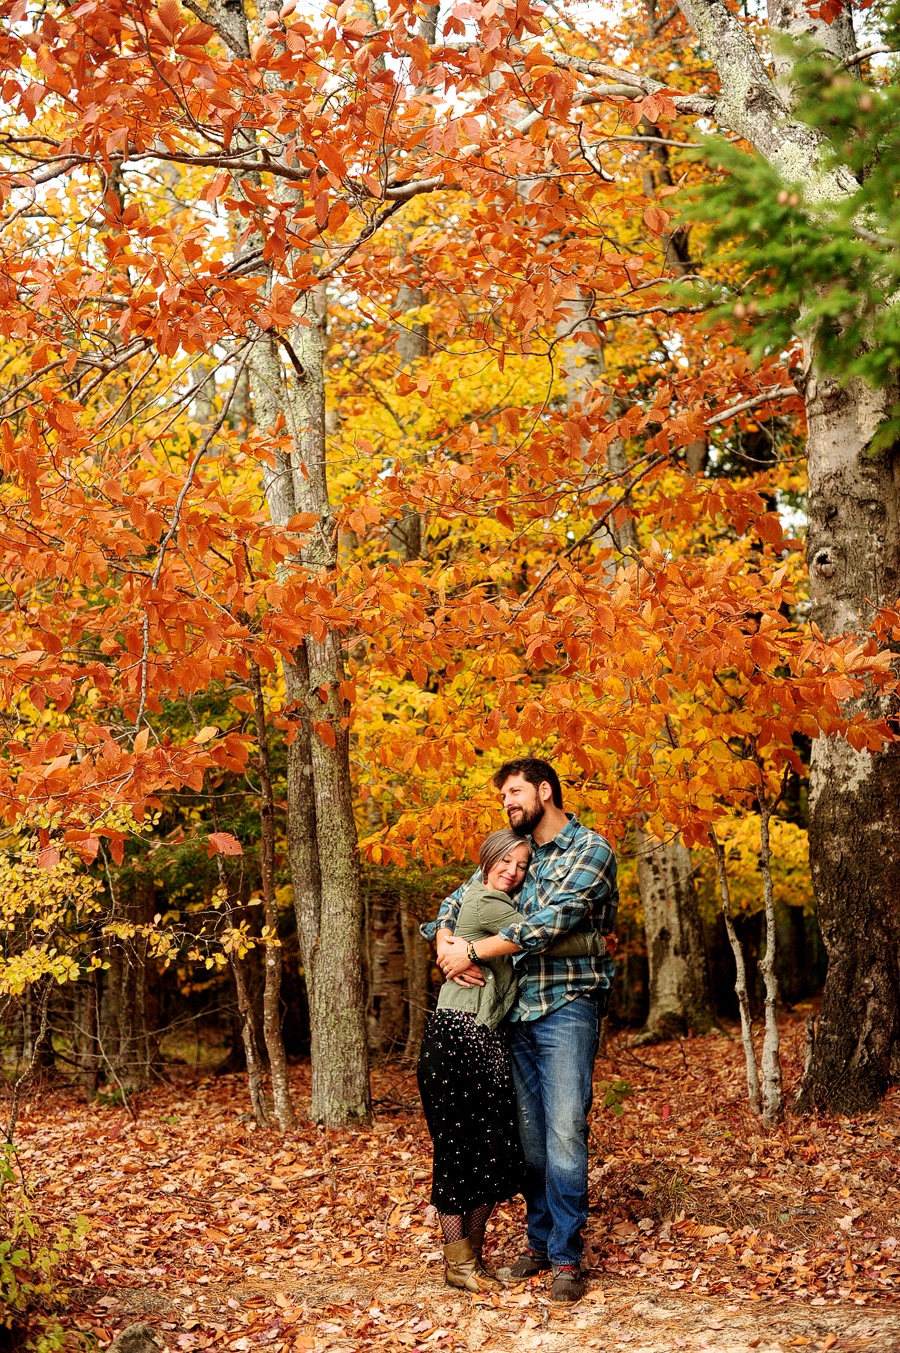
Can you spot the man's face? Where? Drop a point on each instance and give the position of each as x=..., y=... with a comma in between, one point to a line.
x=523, y=803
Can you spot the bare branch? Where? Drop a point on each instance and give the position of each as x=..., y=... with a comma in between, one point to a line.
x=782, y=393
x=635, y=84
x=651, y=310
x=864, y=55
x=659, y=24
x=170, y=534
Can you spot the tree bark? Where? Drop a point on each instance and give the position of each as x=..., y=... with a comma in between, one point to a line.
x=418, y=962
x=321, y=832
x=248, y=1034
x=37, y=1047
x=86, y=1010
x=128, y=1042
x=321, y=828
x=772, y=1093
x=387, y=1006
x=679, y=983
x=854, y=561
x=853, y=552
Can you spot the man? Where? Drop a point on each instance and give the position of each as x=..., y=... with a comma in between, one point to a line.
x=553, y=1029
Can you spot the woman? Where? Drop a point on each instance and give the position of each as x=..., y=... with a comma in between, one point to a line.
x=464, y=1073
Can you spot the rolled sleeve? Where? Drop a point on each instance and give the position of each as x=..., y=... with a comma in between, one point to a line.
x=585, y=893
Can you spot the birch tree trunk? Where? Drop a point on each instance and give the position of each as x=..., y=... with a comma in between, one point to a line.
x=853, y=553
x=772, y=1094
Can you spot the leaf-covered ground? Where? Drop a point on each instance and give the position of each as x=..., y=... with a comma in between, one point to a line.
x=705, y=1230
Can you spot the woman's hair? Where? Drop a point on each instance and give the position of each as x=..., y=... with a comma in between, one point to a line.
x=495, y=846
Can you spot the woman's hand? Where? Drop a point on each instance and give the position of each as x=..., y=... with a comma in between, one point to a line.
x=612, y=943
x=454, y=962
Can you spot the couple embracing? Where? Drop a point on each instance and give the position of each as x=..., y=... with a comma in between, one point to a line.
x=505, y=1070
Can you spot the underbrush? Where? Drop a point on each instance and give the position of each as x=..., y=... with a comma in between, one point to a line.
x=34, y=1266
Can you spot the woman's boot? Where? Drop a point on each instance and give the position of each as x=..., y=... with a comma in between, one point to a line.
x=476, y=1235
x=462, y=1268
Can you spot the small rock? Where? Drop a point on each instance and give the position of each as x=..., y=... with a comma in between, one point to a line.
x=138, y=1338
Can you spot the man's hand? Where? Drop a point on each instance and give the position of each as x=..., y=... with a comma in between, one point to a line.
x=453, y=961
x=442, y=939
x=612, y=944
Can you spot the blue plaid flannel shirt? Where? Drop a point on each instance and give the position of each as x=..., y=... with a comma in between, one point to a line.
x=570, y=885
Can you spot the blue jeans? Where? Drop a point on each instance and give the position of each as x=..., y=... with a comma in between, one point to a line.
x=553, y=1063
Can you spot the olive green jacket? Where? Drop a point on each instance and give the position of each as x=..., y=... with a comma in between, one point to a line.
x=485, y=911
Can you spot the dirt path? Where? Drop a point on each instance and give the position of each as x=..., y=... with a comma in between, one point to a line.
x=362, y=1314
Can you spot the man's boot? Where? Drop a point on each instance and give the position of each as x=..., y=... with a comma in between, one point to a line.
x=462, y=1268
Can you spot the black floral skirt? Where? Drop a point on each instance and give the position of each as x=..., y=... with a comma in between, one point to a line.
x=467, y=1092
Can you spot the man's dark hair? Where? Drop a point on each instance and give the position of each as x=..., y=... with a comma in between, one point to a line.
x=535, y=771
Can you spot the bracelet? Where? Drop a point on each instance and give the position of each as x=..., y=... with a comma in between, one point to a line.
x=470, y=950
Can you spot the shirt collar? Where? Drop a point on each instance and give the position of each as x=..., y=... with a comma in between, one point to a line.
x=563, y=838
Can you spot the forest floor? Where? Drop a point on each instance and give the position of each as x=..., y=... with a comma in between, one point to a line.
x=706, y=1231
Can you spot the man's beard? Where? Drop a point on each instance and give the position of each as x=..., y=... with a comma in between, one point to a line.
x=525, y=824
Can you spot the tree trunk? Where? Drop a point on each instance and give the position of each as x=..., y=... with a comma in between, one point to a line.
x=740, y=980
x=321, y=828
x=387, y=1007
x=772, y=1094
x=340, y=1071
x=128, y=1043
x=412, y=346
x=418, y=964
x=322, y=846
x=37, y=1050
x=679, y=983
x=281, y=1088
x=248, y=1034
x=85, y=1014
x=853, y=551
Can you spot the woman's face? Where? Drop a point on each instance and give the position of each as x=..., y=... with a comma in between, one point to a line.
x=507, y=874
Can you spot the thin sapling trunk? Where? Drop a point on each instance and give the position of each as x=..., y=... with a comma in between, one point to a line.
x=281, y=1089
x=248, y=1035
x=740, y=981
x=772, y=1093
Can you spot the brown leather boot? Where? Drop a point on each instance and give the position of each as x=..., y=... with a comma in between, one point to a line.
x=476, y=1235
x=462, y=1268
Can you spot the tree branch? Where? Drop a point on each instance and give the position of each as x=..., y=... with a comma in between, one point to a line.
x=29, y=1070
x=659, y=24
x=170, y=534
x=782, y=393
x=864, y=55
x=635, y=84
